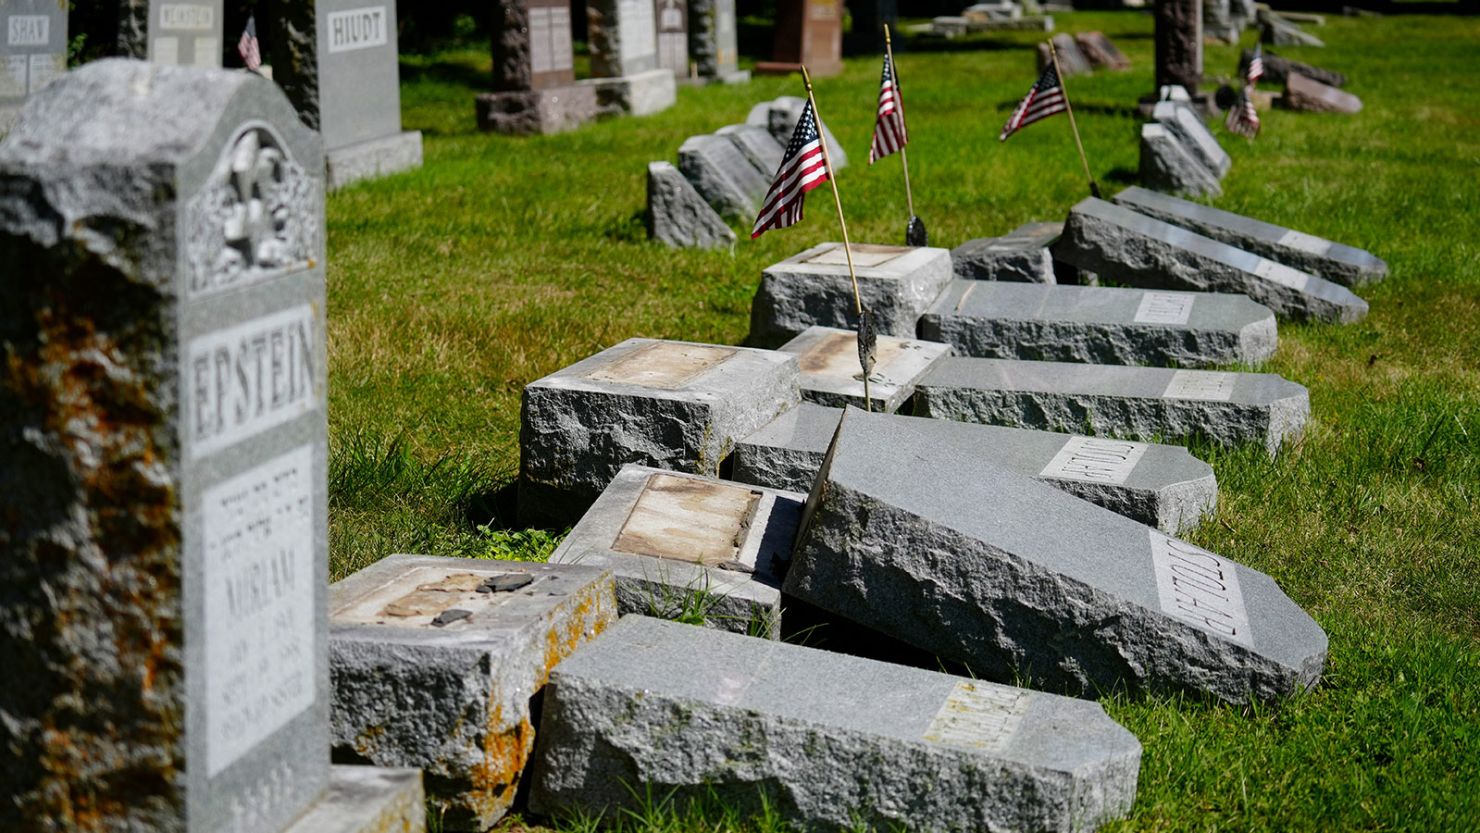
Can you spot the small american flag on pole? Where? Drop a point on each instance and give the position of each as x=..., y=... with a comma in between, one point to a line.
x=802, y=168
x=1045, y=99
x=890, y=134
x=1242, y=118
x=1256, y=66
x=248, y=47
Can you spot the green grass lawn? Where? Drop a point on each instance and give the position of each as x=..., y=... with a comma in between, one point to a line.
x=505, y=259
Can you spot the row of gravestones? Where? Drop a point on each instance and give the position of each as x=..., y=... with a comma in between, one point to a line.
x=1001, y=16
x=1179, y=154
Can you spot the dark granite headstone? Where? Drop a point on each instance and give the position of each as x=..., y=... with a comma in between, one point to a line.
x=1179, y=46
x=627, y=77
x=33, y=51
x=533, y=71
x=808, y=32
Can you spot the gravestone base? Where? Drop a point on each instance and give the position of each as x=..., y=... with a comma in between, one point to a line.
x=434, y=661
x=367, y=799
x=373, y=159
x=686, y=547
x=639, y=94
x=739, y=76
x=531, y=112
x=678, y=216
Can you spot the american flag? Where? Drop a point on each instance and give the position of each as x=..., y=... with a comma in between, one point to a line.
x=1045, y=99
x=802, y=169
x=250, y=50
x=890, y=134
x=1242, y=118
x=1256, y=66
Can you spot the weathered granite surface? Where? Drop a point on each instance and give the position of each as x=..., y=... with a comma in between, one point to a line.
x=1167, y=165
x=712, y=41
x=536, y=112
x=1307, y=94
x=1277, y=31
x=780, y=116
x=1179, y=43
x=724, y=175
x=1184, y=123
x=831, y=373
x=678, y=216
x=1100, y=51
x=1022, y=254
x=1277, y=68
x=758, y=145
x=827, y=741
x=367, y=799
x=635, y=94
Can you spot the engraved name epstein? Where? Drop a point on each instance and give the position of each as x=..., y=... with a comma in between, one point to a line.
x=246, y=379
x=1200, y=588
x=357, y=29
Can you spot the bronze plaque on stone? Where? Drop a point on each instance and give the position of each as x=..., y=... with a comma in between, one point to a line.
x=417, y=598
x=665, y=365
x=683, y=519
x=836, y=356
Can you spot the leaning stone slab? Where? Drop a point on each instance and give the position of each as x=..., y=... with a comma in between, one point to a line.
x=828, y=741
x=1015, y=578
x=1277, y=68
x=678, y=216
x=1187, y=125
x=1097, y=324
x=780, y=116
x=434, y=661
x=1307, y=94
x=1114, y=400
x=367, y=799
x=1158, y=485
x=723, y=175
x=1278, y=31
x=1167, y=165
x=683, y=546
x=897, y=283
x=670, y=404
x=1101, y=51
x=1134, y=249
x=1020, y=255
x=757, y=144
x=1335, y=262
x=831, y=373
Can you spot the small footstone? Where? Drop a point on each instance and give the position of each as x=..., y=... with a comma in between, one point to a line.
x=1333, y=261
x=1167, y=165
x=1184, y=123
x=1020, y=255
x=453, y=699
x=1112, y=400
x=367, y=799
x=678, y=216
x=1158, y=485
x=1014, y=577
x=723, y=175
x=669, y=404
x=1107, y=325
x=1307, y=94
x=897, y=284
x=828, y=741
x=832, y=375
x=683, y=546
x=1134, y=249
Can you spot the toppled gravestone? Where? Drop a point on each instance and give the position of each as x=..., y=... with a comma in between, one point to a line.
x=1137, y=250
x=723, y=175
x=1158, y=485
x=1108, y=325
x=1072, y=61
x=678, y=216
x=1014, y=577
x=1167, y=165
x=832, y=375
x=1184, y=123
x=896, y=283
x=434, y=661
x=1277, y=68
x=1100, y=51
x=1277, y=31
x=758, y=145
x=669, y=404
x=1333, y=261
x=688, y=547
x=1020, y=255
x=1113, y=400
x=823, y=740
x=1307, y=94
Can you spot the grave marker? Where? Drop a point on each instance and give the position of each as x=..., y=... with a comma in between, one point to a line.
x=830, y=373
x=1020, y=255
x=533, y=71
x=1184, y=123
x=678, y=215
x=712, y=41
x=808, y=32
x=721, y=171
x=1168, y=165
x=1179, y=43
x=1101, y=51
x=1308, y=94
x=673, y=36
x=33, y=51
x=627, y=76
x=180, y=33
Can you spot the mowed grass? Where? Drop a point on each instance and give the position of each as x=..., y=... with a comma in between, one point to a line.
x=505, y=259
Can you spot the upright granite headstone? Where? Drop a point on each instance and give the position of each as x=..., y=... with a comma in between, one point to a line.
x=628, y=79
x=533, y=71
x=808, y=32
x=184, y=32
x=713, y=45
x=673, y=36
x=1179, y=43
x=869, y=19
x=338, y=62
x=33, y=51
x=163, y=427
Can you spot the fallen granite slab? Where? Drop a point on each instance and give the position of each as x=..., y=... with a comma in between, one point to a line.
x=1149, y=403
x=723, y=175
x=1184, y=123
x=1167, y=165
x=1020, y=581
x=690, y=548
x=825, y=741
x=669, y=404
x=1277, y=68
x=1333, y=261
x=1071, y=62
x=1158, y=485
x=678, y=216
x=1100, y=325
x=812, y=289
x=1100, y=51
x=433, y=662
x=780, y=117
x=1020, y=255
x=1312, y=96
x=757, y=144
x=832, y=375
x=1137, y=250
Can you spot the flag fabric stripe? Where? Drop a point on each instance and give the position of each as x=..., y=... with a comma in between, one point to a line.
x=1242, y=118
x=1256, y=66
x=1045, y=99
x=890, y=133
x=248, y=47
x=802, y=168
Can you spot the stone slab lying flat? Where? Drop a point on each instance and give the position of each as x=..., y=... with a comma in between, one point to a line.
x=1013, y=577
x=670, y=404
x=1104, y=325
x=1333, y=261
x=829, y=741
x=1131, y=248
x=1277, y=69
x=433, y=662
x=812, y=289
x=367, y=799
x=1187, y=125
x=831, y=373
x=1167, y=165
x=1020, y=255
x=1135, y=402
x=373, y=158
x=678, y=216
x=682, y=545
x=1159, y=485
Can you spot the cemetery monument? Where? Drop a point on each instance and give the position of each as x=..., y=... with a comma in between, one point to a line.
x=182, y=33
x=534, y=71
x=33, y=51
x=808, y=32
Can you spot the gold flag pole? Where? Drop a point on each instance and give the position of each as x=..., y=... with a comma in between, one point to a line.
x=1094, y=189
x=843, y=223
x=904, y=160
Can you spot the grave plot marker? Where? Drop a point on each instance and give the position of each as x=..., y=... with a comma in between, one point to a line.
x=673, y=37
x=830, y=373
x=533, y=71
x=808, y=33
x=33, y=51
x=180, y=33
x=1020, y=255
